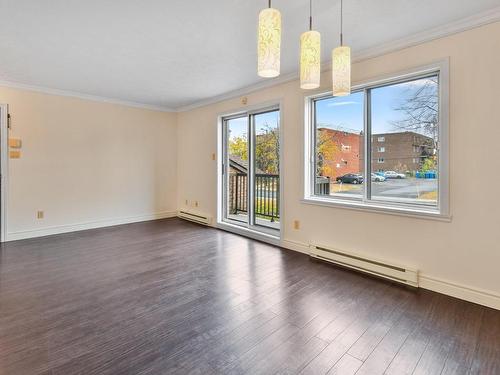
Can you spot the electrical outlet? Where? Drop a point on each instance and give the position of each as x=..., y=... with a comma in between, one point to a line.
x=39, y=214
x=296, y=224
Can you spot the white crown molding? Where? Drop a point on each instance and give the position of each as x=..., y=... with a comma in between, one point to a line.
x=270, y=82
x=464, y=24
x=73, y=94
x=480, y=19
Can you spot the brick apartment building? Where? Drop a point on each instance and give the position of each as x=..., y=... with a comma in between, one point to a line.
x=401, y=152
x=348, y=155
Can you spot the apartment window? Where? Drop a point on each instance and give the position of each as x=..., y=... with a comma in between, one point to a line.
x=408, y=112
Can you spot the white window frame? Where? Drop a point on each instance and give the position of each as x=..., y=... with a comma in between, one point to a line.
x=398, y=207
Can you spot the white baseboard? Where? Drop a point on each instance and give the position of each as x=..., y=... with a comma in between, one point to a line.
x=481, y=297
x=48, y=231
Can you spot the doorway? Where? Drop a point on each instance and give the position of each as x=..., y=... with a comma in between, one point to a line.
x=4, y=144
x=250, y=165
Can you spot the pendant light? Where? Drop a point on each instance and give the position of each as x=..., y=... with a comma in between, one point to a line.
x=310, y=56
x=341, y=65
x=269, y=42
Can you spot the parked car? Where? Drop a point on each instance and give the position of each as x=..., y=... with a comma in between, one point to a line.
x=377, y=177
x=392, y=174
x=350, y=178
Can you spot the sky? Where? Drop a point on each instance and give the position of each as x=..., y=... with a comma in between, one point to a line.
x=238, y=126
x=346, y=113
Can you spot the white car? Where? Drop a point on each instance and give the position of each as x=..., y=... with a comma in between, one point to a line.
x=392, y=174
x=377, y=178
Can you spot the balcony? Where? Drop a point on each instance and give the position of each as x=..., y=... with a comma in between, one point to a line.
x=267, y=197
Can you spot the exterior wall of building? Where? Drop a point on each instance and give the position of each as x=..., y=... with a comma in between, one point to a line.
x=347, y=156
x=401, y=152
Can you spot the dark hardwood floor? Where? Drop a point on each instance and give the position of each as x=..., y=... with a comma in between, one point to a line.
x=172, y=297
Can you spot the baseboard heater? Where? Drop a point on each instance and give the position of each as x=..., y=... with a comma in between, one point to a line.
x=378, y=268
x=195, y=217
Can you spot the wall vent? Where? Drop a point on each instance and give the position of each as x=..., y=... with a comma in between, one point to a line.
x=195, y=217
x=400, y=274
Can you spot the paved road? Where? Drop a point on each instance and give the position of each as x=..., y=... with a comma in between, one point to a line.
x=410, y=188
x=403, y=188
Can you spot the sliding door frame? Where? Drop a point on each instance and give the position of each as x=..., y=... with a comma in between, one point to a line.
x=250, y=229
x=224, y=158
x=4, y=169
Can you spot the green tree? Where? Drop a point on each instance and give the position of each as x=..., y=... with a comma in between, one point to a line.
x=238, y=146
x=267, y=150
x=429, y=164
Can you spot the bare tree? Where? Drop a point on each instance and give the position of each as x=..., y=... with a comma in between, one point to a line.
x=420, y=109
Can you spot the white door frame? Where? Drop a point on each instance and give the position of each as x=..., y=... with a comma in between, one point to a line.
x=4, y=169
x=263, y=234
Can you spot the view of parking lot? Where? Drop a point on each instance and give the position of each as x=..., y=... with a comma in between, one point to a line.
x=409, y=188
x=403, y=143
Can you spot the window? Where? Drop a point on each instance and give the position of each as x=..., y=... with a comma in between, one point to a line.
x=406, y=115
x=339, y=122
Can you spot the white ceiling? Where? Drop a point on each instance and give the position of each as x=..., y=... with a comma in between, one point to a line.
x=172, y=53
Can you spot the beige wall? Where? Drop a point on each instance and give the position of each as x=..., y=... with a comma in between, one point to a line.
x=463, y=252
x=87, y=163
x=90, y=164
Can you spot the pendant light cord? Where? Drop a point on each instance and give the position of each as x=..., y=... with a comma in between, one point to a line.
x=310, y=15
x=341, y=23
x=269, y=3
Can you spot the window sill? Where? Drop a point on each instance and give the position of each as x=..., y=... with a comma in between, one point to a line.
x=415, y=212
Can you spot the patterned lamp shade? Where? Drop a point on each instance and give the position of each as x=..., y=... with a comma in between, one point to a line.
x=310, y=60
x=341, y=71
x=269, y=43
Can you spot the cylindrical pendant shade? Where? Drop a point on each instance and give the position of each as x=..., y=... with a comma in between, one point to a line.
x=310, y=60
x=269, y=43
x=341, y=71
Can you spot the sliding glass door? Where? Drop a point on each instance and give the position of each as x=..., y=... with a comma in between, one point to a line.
x=236, y=169
x=251, y=170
